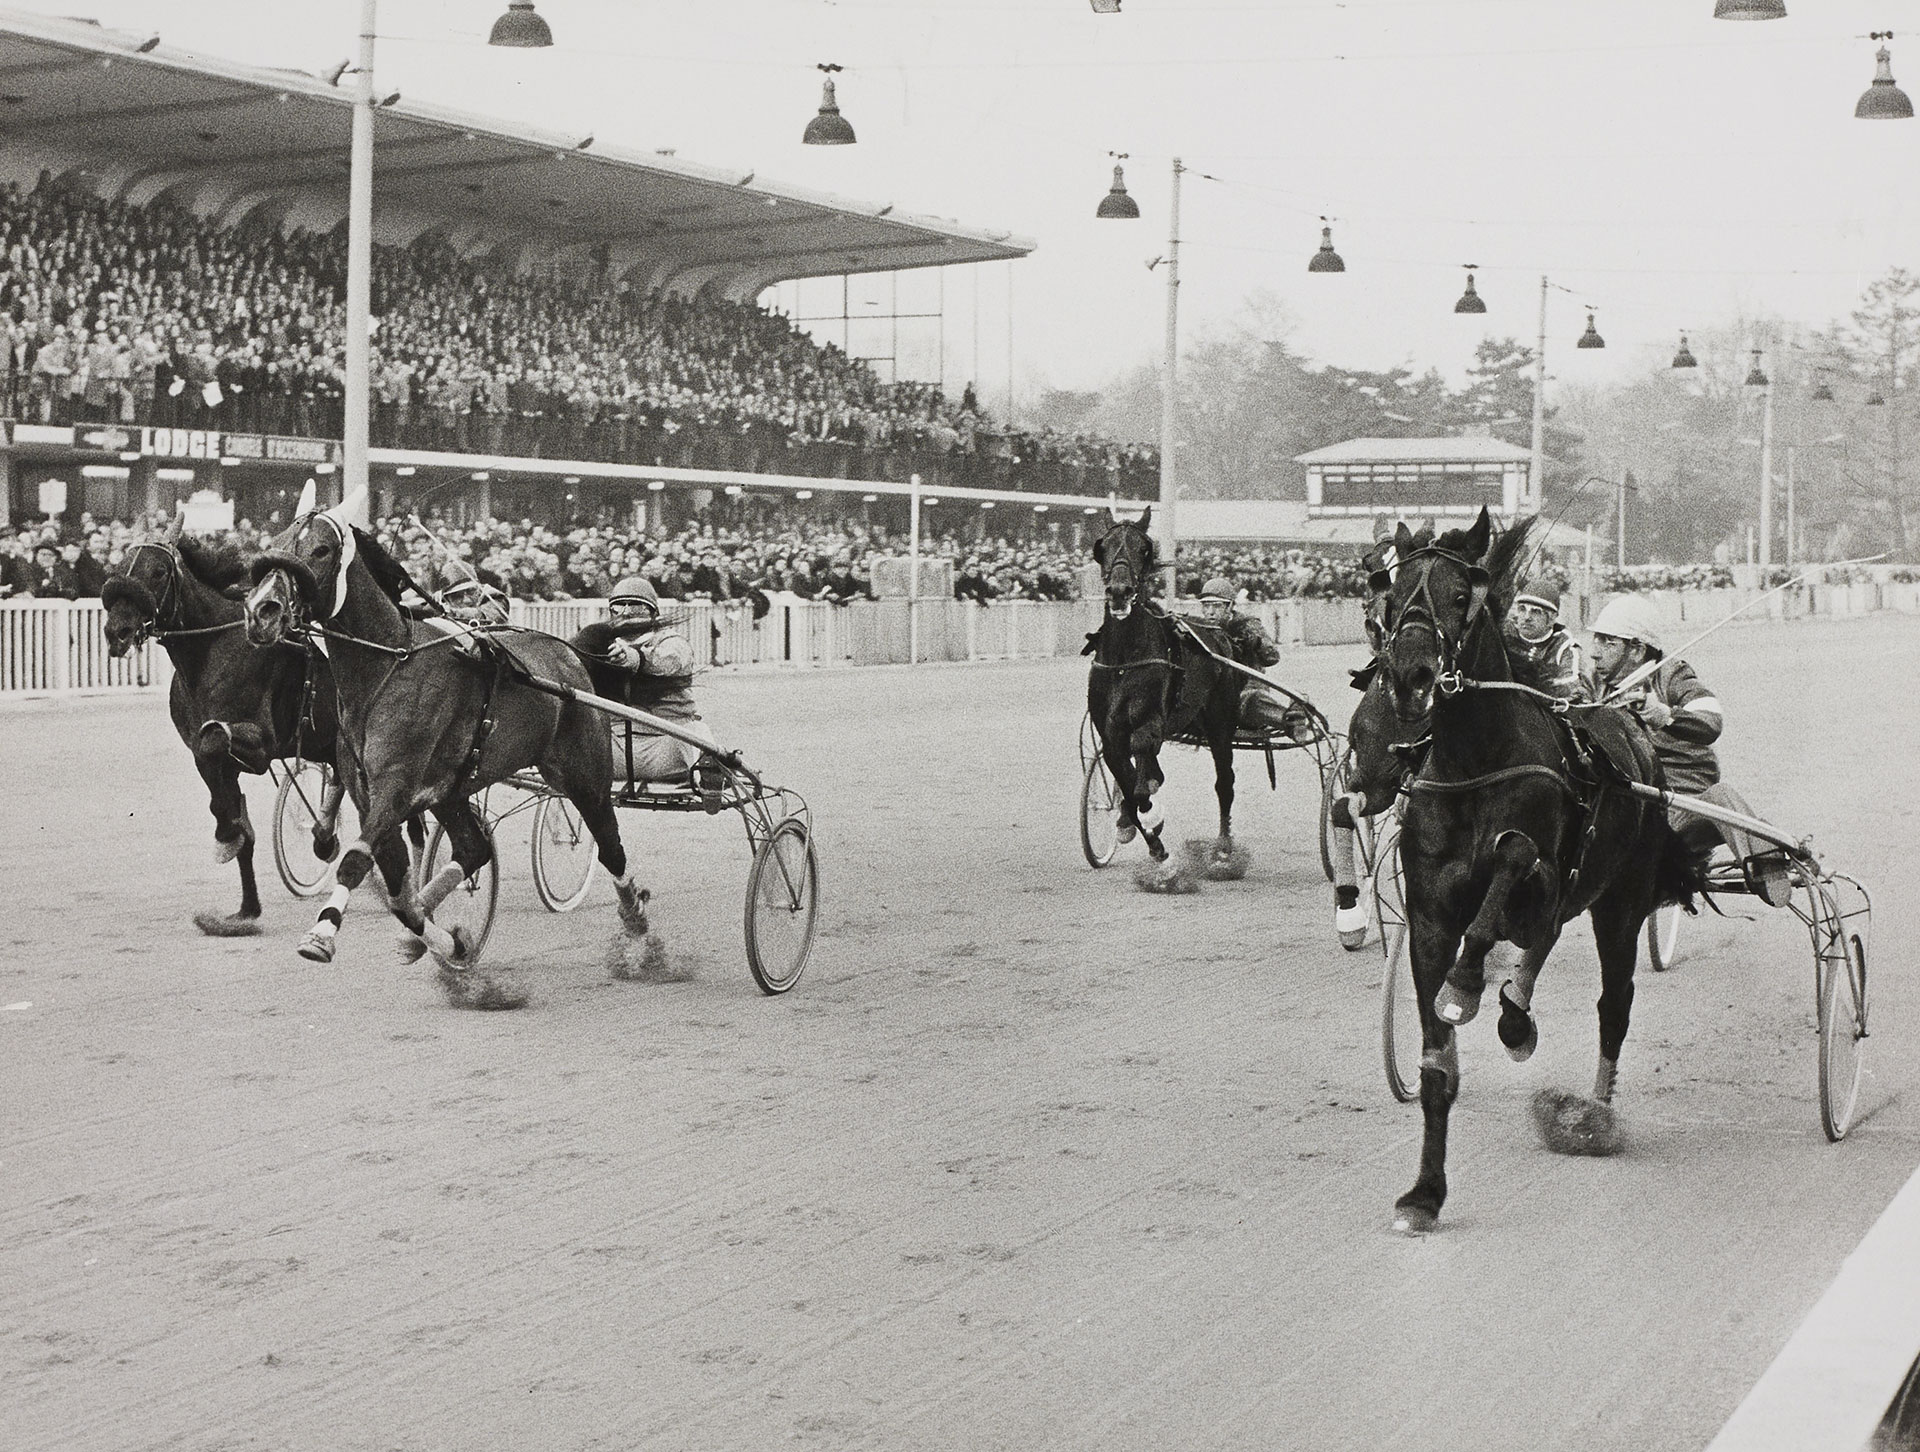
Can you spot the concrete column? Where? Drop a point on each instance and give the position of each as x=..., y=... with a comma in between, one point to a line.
x=6, y=488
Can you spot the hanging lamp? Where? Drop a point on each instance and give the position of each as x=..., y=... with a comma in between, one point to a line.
x=1470, y=301
x=520, y=28
x=1116, y=204
x=1591, y=338
x=1326, y=259
x=1106, y=7
x=1883, y=100
x=829, y=127
x=1755, y=377
x=1684, y=358
x=1749, y=10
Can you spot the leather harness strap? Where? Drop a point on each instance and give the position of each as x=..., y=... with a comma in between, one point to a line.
x=1505, y=773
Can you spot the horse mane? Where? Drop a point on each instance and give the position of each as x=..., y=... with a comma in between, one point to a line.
x=388, y=573
x=217, y=566
x=1507, y=561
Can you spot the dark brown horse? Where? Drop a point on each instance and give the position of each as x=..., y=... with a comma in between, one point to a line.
x=236, y=708
x=1512, y=829
x=427, y=725
x=1150, y=682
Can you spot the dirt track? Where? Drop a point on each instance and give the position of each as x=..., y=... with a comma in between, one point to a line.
x=1028, y=1160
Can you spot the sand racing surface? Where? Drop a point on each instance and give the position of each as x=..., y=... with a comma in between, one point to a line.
x=1029, y=1159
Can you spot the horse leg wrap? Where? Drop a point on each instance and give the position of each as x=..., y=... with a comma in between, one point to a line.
x=1604, y=1078
x=317, y=946
x=437, y=891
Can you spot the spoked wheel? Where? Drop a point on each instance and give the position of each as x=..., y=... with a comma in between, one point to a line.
x=1841, y=973
x=1099, y=815
x=1663, y=936
x=296, y=807
x=783, y=895
x=471, y=904
x=1401, y=1042
x=563, y=855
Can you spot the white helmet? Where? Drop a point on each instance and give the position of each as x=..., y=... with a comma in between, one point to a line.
x=1631, y=617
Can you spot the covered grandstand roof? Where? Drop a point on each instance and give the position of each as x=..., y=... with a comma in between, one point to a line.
x=230, y=140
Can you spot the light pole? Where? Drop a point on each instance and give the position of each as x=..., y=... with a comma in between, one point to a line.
x=1536, y=467
x=519, y=28
x=1118, y=206
x=1757, y=378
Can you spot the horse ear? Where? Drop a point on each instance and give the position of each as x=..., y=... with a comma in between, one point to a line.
x=1403, y=544
x=1478, y=536
x=1145, y=521
x=309, y=497
x=1100, y=551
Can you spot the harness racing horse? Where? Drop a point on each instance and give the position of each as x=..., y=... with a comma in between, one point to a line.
x=426, y=726
x=1507, y=837
x=1149, y=682
x=236, y=708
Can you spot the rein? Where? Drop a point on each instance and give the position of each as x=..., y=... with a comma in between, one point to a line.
x=1505, y=773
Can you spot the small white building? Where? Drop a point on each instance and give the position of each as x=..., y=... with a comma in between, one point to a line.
x=1413, y=479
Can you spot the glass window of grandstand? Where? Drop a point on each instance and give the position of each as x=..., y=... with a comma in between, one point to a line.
x=1419, y=488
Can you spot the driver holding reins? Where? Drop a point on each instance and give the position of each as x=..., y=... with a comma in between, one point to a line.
x=1541, y=652
x=637, y=659
x=1261, y=708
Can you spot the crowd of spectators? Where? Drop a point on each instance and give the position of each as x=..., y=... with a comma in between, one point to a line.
x=1670, y=577
x=116, y=313
x=1265, y=573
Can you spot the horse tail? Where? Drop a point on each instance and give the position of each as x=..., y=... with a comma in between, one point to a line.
x=1679, y=874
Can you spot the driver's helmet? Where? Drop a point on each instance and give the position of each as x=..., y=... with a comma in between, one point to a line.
x=1631, y=617
x=1532, y=616
x=1216, y=599
x=478, y=599
x=634, y=598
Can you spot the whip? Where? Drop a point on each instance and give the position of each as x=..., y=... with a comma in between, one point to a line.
x=1640, y=673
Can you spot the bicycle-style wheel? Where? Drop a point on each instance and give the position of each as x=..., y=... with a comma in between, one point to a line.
x=1401, y=1043
x=1841, y=970
x=1663, y=936
x=563, y=855
x=296, y=807
x=1099, y=815
x=783, y=897
x=471, y=904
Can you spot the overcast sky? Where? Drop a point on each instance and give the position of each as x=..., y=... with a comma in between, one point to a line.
x=1672, y=170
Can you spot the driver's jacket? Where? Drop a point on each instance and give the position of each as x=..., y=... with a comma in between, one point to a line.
x=663, y=683
x=1685, y=744
x=1252, y=646
x=1551, y=664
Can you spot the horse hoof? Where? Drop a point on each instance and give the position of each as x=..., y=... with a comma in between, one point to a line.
x=1414, y=1220
x=464, y=953
x=225, y=852
x=1454, y=1006
x=1518, y=1031
x=326, y=845
x=1125, y=832
x=317, y=948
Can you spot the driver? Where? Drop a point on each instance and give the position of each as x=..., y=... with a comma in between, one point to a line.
x=479, y=599
x=1261, y=708
x=1679, y=711
x=1541, y=652
x=640, y=661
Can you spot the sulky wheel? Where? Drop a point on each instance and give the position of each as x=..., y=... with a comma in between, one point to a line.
x=563, y=855
x=1401, y=1042
x=471, y=904
x=1099, y=815
x=783, y=897
x=1840, y=967
x=1663, y=936
x=296, y=807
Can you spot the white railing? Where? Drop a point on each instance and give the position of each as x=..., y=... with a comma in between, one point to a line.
x=59, y=648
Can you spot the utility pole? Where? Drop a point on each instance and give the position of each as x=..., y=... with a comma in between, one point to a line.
x=1766, y=481
x=1537, y=467
x=1169, y=384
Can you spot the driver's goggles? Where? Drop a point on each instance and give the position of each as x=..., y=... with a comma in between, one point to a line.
x=629, y=609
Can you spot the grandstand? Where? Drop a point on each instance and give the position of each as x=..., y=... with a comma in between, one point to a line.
x=565, y=333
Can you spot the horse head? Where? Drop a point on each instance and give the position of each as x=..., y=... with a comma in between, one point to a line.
x=1436, y=594
x=142, y=596
x=1127, y=559
x=296, y=581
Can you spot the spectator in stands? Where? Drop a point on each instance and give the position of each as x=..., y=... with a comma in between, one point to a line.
x=50, y=577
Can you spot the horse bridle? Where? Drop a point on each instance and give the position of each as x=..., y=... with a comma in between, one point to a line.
x=1420, y=611
x=155, y=629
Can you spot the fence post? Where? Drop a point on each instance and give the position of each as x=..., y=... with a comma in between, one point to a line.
x=60, y=646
